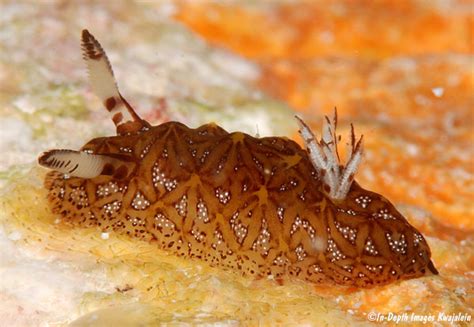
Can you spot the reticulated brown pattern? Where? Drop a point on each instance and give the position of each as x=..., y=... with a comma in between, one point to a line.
x=254, y=205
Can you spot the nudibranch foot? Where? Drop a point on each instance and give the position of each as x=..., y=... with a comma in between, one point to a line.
x=260, y=206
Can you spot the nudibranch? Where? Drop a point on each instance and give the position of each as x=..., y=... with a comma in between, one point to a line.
x=259, y=206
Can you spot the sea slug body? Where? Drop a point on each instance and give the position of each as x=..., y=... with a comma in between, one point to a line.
x=260, y=206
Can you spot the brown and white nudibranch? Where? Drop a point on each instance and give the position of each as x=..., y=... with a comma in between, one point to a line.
x=261, y=206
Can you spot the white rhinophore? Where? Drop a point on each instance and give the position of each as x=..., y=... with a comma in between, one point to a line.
x=76, y=163
x=102, y=80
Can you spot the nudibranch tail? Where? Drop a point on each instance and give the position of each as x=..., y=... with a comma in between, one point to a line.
x=104, y=85
x=84, y=165
x=325, y=157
